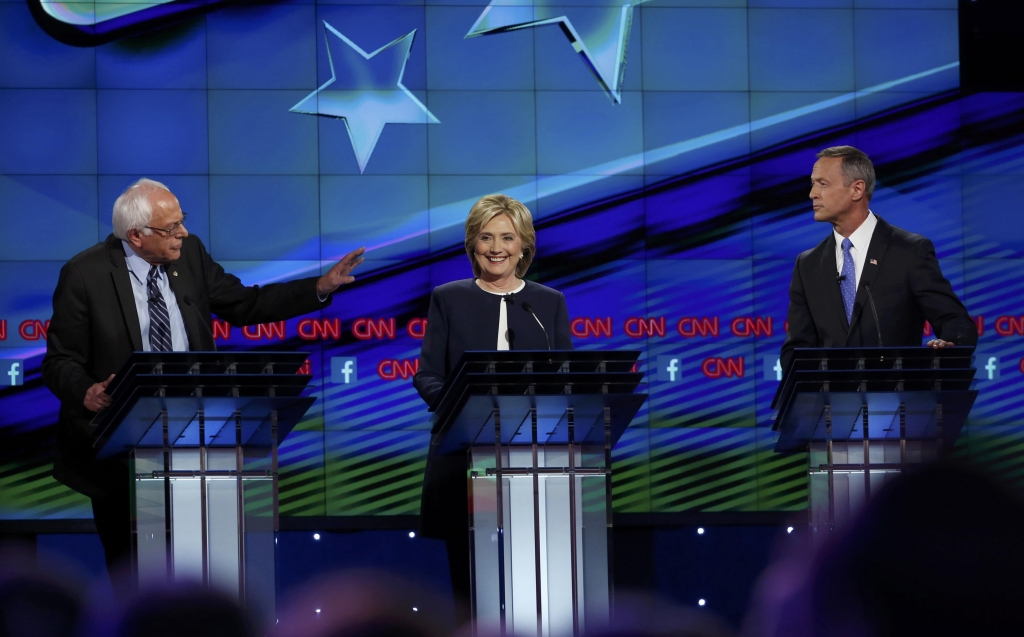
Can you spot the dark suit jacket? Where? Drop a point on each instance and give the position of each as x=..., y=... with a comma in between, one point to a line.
x=906, y=284
x=95, y=328
x=463, y=318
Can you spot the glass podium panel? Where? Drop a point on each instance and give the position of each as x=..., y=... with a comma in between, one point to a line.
x=837, y=495
x=216, y=526
x=543, y=523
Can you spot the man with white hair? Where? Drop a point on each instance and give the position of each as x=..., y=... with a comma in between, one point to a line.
x=151, y=286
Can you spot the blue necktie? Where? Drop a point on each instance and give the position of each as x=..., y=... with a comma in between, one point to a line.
x=159, y=320
x=848, y=284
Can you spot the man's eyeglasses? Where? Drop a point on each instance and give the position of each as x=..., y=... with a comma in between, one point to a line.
x=173, y=230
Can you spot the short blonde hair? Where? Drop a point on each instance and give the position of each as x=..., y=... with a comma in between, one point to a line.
x=490, y=207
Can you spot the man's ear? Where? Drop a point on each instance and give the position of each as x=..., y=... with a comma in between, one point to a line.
x=859, y=189
x=134, y=237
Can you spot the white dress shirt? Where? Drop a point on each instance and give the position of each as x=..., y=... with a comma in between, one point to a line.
x=503, y=315
x=139, y=269
x=861, y=240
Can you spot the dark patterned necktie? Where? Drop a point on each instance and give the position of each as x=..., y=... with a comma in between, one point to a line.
x=848, y=283
x=159, y=320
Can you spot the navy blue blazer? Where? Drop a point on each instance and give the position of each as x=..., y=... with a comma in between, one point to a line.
x=463, y=318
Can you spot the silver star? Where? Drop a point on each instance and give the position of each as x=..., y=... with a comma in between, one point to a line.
x=369, y=93
x=599, y=32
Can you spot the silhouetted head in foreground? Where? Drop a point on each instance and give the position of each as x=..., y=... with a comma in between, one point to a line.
x=939, y=551
x=185, y=611
x=34, y=602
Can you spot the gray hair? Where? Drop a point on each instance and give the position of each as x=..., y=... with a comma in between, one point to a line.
x=856, y=166
x=132, y=210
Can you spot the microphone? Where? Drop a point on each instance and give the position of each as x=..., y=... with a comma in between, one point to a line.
x=509, y=298
x=526, y=306
x=202, y=321
x=840, y=278
x=874, y=312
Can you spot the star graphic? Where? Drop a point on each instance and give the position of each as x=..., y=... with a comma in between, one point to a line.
x=369, y=93
x=599, y=31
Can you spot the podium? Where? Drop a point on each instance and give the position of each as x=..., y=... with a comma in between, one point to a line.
x=537, y=429
x=200, y=431
x=866, y=414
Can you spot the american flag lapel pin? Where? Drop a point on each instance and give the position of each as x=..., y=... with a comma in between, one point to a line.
x=873, y=261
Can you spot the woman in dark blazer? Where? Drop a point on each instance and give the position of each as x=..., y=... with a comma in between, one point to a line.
x=487, y=312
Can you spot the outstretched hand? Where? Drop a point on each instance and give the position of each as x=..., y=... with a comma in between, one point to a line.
x=96, y=397
x=339, y=275
x=938, y=343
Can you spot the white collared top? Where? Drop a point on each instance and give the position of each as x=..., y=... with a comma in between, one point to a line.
x=503, y=315
x=861, y=240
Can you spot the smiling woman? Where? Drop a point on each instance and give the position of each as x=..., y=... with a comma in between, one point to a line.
x=500, y=242
x=487, y=312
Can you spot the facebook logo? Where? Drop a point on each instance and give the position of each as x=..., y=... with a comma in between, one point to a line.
x=15, y=371
x=669, y=369
x=772, y=368
x=989, y=367
x=343, y=370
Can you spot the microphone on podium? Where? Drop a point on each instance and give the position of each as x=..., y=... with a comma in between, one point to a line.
x=874, y=312
x=528, y=308
x=202, y=321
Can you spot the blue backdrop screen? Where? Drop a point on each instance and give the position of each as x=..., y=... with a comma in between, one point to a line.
x=664, y=148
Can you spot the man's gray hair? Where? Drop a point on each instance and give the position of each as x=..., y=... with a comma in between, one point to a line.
x=132, y=209
x=856, y=166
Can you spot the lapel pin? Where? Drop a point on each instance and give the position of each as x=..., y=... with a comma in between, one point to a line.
x=873, y=262
x=175, y=272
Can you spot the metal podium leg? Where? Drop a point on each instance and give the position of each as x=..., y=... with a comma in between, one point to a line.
x=240, y=504
x=133, y=521
x=168, y=509
x=500, y=497
x=273, y=469
x=204, y=521
x=571, y=421
x=867, y=455
x=608, y=501
x=831, y=472
x=903, y=437
x=536, y=522
x=473, y=607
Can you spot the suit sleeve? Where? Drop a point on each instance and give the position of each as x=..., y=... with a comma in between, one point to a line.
x=67, y=340
x=939, y=304
x=432, y=372
x=801, y=331
x=563, y=335
x=243, y=305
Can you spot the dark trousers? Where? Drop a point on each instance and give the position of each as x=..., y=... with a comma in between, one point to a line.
x=444, y=514
x=112, y=514
x=457, y=545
